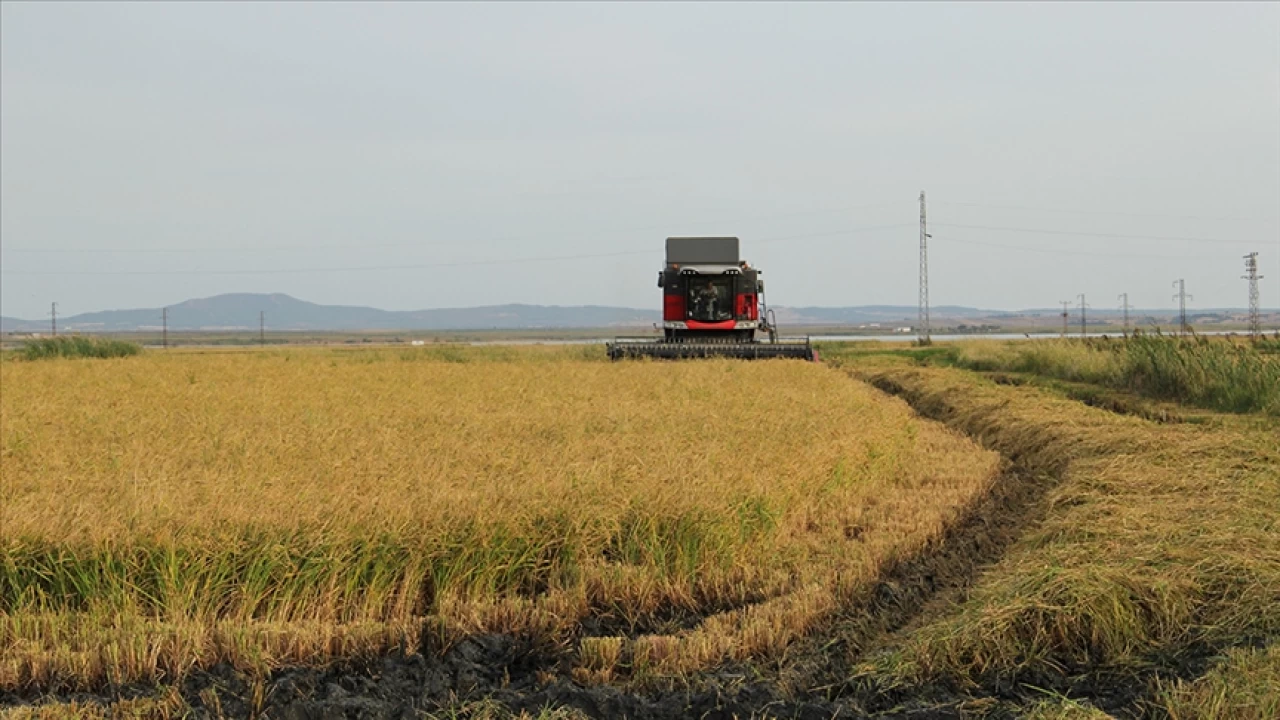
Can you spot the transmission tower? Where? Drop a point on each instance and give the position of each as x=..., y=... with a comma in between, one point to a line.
x=1251, y=274
x=1182, y=298
x=1065, y=315
x=262, y=327
x=1124, y=307
x=924, y=276
x=164, y=327
x=53, y=315
x=1083, y=306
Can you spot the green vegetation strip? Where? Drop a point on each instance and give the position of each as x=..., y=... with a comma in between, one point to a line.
x=271, y=575
x=76, y=346
x=1219, y=374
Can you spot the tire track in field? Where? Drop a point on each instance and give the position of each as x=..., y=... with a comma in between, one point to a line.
x=922, y=586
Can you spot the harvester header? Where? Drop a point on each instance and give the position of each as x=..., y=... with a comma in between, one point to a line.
x=712, y=305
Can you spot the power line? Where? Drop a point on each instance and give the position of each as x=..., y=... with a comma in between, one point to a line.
x=1056, y=251
x=1125, y=307
x=1101, y=212
x=428, y=266
x=289, y=271
x=583, y=256
x=1083, y=306
x=312, y=248
x=1065, y=315
x=1110, y=236
x=829, y=233
x=428, y=243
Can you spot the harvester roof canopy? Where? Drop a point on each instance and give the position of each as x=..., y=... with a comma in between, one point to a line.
x=702, y=250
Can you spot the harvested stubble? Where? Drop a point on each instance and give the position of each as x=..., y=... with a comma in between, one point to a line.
x=272, y=508
x=1160, y=542
x=1244, y=686
x=1061, y=708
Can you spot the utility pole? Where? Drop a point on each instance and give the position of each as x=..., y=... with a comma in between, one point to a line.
x=1082, y=309
x=1182, y=297
x=1251, y=274
x=924, y=277
x=1065, y=314
x=53, y=314
x=164, y=331
x=1124, y=307
x=262, y=327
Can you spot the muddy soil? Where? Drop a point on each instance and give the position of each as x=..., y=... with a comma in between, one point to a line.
x=496, y=668
x=515, y=676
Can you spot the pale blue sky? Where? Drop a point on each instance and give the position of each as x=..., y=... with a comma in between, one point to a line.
x=337, y=151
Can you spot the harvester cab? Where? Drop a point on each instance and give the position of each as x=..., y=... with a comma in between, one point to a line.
x=712, y=305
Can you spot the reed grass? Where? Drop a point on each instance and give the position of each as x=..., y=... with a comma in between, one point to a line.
x=76, y=346
x=296, y=506
x=1218, y=374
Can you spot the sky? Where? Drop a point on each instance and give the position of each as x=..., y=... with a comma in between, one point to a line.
x=420, y=155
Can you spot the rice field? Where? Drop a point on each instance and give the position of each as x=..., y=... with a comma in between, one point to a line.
x=171, y=511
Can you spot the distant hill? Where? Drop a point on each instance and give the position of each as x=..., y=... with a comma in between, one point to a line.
x=239, y=311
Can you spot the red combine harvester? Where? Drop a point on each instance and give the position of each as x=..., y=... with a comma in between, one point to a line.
x=712, y=306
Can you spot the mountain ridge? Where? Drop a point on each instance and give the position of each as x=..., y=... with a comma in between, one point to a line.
x=240, y=311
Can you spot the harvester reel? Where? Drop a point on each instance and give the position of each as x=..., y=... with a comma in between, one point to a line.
x=633, y=348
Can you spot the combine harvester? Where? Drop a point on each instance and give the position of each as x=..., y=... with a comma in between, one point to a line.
x=712, y=306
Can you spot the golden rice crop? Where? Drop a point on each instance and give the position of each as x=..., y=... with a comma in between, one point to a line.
x=179, y=509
